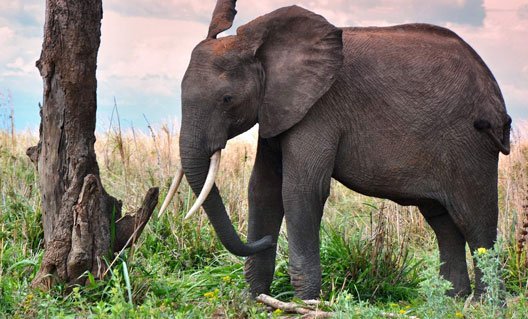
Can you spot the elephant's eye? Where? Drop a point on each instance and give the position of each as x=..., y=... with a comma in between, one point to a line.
x=227, y=99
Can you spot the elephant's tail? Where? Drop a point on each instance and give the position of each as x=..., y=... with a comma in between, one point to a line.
x=502, y=144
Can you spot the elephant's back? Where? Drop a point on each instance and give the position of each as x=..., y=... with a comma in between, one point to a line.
x=424, y=65
x=415, y=41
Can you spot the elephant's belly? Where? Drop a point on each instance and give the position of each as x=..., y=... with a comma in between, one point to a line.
x=386, y=173
x=402, y=194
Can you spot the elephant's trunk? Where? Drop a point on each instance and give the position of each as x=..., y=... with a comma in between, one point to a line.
x=208, y=185
x=195, y=166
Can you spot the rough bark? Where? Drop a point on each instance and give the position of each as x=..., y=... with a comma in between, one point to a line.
x=77, y=212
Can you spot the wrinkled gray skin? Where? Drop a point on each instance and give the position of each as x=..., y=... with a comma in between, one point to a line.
x=409, y=113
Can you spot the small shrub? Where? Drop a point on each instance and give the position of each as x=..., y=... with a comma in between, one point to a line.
x=489, y=262
x=347, y=307
x=370, y=268
x=433, y=288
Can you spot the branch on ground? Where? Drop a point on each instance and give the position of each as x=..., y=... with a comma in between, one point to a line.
x=292, y=307
x=307, y=308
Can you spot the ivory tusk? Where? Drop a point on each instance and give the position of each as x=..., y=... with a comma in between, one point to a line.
x=172, y=190
x=208, y=185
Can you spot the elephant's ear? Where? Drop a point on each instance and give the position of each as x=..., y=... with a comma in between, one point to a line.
x=301, y=53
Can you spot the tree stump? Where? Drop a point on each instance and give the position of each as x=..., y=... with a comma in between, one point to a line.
x=82, y=223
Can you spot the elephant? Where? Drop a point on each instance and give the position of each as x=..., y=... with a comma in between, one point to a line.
x=408, y=113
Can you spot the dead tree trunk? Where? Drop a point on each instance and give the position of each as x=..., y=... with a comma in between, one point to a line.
x=78, y=216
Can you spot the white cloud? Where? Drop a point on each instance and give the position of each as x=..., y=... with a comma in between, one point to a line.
x=515, y=92
x=20, y=37
x=20, y=66
x=363, y=12
x=6, y=34
x=189, y=10
x=523, y=11
x=341, y=12
x=10, y=6
x=146, y=53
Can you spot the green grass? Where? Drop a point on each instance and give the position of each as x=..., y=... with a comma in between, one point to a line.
x=377, y=257
x=372, y=270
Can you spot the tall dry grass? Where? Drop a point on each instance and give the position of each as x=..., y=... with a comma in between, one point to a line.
x=131, y=161
x=513, y=192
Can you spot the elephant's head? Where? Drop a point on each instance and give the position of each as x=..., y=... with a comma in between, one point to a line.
x=271, y=73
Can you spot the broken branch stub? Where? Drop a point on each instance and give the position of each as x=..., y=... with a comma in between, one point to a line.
x=127, y=225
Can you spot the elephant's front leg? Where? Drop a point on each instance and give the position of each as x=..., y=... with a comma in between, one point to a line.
x=265, y=214
x=306, y=185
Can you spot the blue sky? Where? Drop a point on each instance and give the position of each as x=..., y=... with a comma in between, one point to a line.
x=145, y=48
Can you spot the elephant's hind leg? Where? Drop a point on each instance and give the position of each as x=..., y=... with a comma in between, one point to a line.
x=475, y=210
x=265, y=214
x=452, y=247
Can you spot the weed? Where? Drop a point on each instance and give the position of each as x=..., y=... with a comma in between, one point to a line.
x=436, y=304
x=370, y=263
x=489, y=262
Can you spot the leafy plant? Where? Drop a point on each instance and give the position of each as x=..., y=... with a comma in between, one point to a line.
x=489, y=262
x=373, y=268
x=433, y=291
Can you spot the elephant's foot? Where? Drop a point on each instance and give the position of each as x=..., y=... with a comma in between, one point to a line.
x=457, y=274
x=256, y=290
x=459, y=292
x=307, y=284
x=259, y=271
x=257, y=287
x=308, y=292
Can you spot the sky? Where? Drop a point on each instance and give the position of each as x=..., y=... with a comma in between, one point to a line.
x=146, y=46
